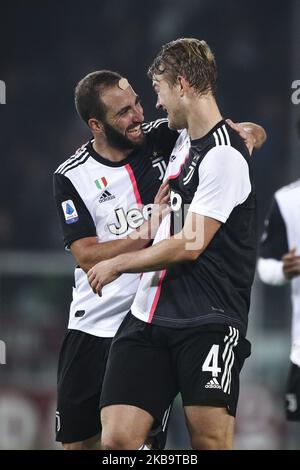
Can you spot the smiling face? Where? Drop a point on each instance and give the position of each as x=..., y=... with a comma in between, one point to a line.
x=170, y=100
x=124, y=117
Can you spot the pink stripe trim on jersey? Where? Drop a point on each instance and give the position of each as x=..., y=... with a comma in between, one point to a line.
x=134, y=185
x=156, y=298
x=172, y=177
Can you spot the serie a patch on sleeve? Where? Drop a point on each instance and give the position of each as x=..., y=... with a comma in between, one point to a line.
x=70, y=212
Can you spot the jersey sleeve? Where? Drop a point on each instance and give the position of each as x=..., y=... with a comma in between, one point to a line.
x=75, y=219
x=274, y=242
x=224, y=183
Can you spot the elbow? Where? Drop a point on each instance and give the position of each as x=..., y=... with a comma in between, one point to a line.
x=191, y=255
x=86, y=252
x=85, y=263
x=189, y=251
x=85, y=266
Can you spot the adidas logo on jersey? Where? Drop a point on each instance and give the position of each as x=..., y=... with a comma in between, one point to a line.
x=213, y=384
x=106, y=196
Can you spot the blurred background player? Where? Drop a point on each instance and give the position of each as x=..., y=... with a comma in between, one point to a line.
x=279, y=264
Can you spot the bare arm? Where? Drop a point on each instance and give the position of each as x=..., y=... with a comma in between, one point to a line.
x=89, y=251
x=196, y=234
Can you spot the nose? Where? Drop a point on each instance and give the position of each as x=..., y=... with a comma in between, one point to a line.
x=138, y=114
x=158, y=104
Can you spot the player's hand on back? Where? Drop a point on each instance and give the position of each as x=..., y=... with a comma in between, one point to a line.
x=254, y=135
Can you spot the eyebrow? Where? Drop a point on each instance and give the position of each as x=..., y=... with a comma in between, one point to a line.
x=155, y=80
x=126, y=108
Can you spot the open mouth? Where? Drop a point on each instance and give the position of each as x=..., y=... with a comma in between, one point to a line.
x=135, y=132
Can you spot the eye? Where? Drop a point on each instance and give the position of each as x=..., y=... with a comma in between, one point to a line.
x=123, y=112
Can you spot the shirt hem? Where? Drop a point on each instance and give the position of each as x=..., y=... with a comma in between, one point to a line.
x=214, y=215
x=91, y=331
x=171, y=323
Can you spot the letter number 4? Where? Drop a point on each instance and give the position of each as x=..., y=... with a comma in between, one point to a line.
x=211, y=362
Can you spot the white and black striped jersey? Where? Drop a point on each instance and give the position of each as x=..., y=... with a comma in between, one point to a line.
x=282, y=234
x=97, y=197
x=211, y=178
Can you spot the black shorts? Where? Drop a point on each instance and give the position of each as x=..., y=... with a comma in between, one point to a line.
x=292, y=397
x=81, y=368
x=148, y=363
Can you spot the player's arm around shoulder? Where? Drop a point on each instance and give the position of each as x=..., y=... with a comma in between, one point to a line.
x=253, y=134
x=185, y=246
x=90, y=250
x=230, y=186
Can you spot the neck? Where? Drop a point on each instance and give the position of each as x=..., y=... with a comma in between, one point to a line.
x=202, y=116
x=108, y=152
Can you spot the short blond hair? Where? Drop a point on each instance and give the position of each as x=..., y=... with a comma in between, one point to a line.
x=191, y=58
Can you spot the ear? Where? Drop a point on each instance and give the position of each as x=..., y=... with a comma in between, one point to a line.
x=95, y=125
x=183, y=84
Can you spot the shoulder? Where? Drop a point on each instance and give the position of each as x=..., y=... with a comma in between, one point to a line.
x=161, y=124
x=73, y=161
x=235, y=141
x=160, y=137
x=224, y=159
x=289, y=190
x=288, y=198
x=159, y=129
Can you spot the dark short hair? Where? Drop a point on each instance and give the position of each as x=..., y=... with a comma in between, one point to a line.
x=191, y=58
x=88, y=91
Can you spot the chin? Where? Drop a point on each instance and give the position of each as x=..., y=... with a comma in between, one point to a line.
x=138, y=141
x=173, y=126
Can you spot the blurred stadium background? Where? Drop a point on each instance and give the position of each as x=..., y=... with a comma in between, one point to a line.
x=45, y=48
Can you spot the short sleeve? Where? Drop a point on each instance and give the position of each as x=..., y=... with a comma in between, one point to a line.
x=75, y=219
x=224, y=183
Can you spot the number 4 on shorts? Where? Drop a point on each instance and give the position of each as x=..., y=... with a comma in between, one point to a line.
x=211, y=362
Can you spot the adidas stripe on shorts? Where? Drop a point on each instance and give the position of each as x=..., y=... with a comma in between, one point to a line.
x=203, y=363
x=218, y=353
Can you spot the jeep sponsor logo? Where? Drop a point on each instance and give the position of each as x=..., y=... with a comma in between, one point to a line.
x=131, y=219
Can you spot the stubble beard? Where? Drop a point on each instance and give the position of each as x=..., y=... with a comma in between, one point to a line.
x=119, y=141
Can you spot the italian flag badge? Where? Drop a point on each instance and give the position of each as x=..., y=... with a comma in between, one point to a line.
x=101, y=183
